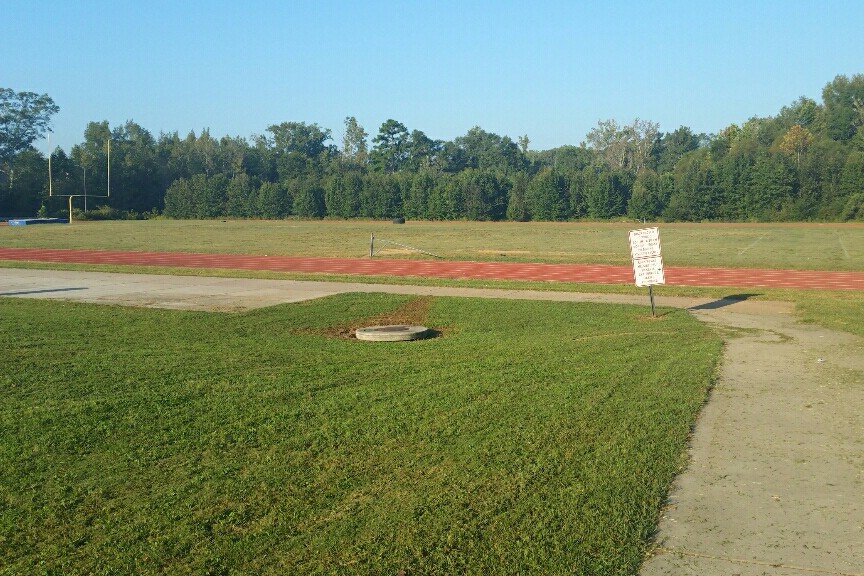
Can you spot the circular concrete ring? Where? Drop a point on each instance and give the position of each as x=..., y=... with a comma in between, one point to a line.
x=394, y=333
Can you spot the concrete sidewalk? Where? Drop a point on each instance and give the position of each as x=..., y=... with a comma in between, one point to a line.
x=235, y=294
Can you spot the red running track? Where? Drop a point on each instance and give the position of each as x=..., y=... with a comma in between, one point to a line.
x=741, y=278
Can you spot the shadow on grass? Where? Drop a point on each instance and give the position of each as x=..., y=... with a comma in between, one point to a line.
x=725, y=301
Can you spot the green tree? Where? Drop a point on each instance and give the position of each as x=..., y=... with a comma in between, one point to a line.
x=169, y=155
x=200, y=197
x=482, y=194
x=391, y=147
x=135, y=182
x=260, y=160
x=232, y=156
x=606, y=193
x=854, y=208
x=673, y=146
x=646, y=200
x=422, y=151
x=734, y=172
x=578, y=182
x=624, y=148
x=572, y=158
x=240, y=197
x=547, y=196
x=300, y=150
x=517, y=203
x=204, y=154
x=820, y=196
x=180, y=199
x=212, y=192
x=308, y=198
x=695, y=196
x=445, y=199
x=381, y=197
x=342, y=195
x=24, y=118
x=92, y=158
x=28, y=191
x=272, y=201
x=773, y=187
x=803, y=112
x=452, y=157
x=417, y=195
x=852, y=177
x=355, y=152
x=796, y=142
x=489, y=151
x=842, y=117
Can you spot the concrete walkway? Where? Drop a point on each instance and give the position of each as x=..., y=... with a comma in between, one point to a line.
x=775, y=483
x=235, y=294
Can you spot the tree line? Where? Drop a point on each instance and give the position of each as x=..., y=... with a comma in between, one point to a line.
x=805, y=163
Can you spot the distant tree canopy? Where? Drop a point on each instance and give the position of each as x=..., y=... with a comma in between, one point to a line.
x=24, y=118
x=805, y=163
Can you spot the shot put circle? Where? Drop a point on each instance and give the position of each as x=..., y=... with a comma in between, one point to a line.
x=393, y=333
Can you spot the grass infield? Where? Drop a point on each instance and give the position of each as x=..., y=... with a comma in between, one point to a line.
x=527, y=437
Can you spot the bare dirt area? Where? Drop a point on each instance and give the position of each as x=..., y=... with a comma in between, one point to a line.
x=774, y=484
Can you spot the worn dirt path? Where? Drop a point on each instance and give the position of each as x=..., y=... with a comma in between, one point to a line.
x=775, y=482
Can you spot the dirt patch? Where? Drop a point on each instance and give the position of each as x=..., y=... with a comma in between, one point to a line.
x=415, y=312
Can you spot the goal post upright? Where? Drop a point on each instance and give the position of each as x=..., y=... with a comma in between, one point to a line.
x=85, y=195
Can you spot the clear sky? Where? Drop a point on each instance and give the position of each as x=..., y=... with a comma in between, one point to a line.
x=548, y=69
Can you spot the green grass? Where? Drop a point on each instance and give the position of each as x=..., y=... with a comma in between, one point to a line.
x=839, y=310
x=773, y=246
x=531, y=437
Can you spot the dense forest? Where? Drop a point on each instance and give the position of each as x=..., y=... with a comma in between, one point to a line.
x=805, y=163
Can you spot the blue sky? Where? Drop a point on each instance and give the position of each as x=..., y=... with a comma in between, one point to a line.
x=548, y=69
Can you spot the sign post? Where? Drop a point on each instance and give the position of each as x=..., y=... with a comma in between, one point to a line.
x=647, y=261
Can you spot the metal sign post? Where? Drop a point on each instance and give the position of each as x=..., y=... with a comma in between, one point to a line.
x=651, y=295
x=647, y=261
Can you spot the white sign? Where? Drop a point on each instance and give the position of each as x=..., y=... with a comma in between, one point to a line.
x=647, y=262
x=645, y=243
x=649, y=271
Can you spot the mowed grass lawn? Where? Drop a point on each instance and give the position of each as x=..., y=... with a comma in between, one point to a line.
x=526, y=438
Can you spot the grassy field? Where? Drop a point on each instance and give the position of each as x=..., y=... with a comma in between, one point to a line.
x=780, y=246
x=527, y=437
